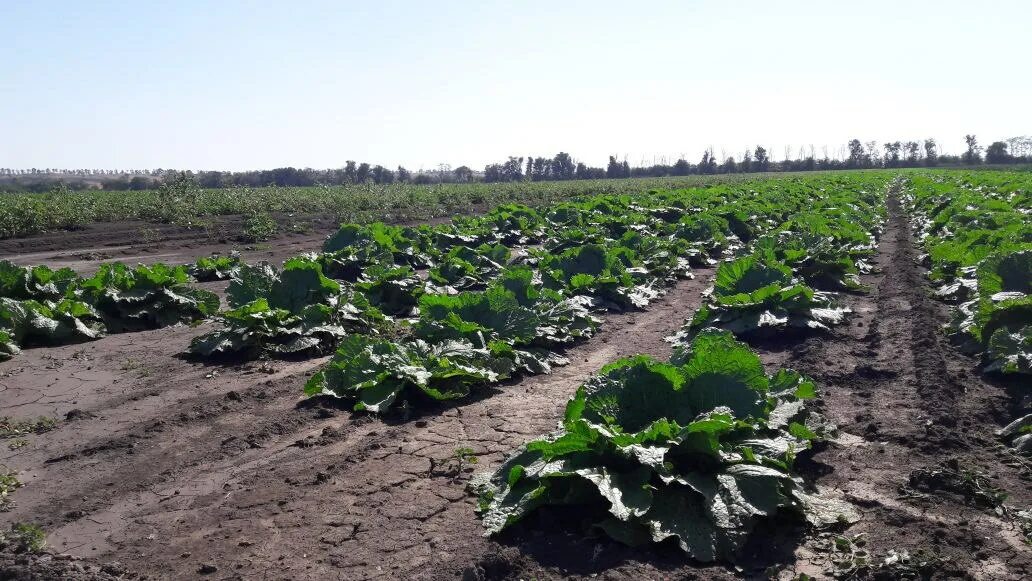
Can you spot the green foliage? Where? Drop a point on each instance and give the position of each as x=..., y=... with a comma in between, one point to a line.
x=259, y=226
x=610, y=276
x=256, y=329
x=757, y=295
x=460, y=343
x=698, y=451
x=216, y=267
x=297, y=312
x=393, y=290
x=252, y=282
x=375, y=372
x=31, y=323
x=23, y=538
x=145, y=297
x=8, y=484
x=34, y=283
x=11, y=427
x=401, y=244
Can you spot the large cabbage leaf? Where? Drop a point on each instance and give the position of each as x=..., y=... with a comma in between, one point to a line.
x=145, y=297
x=699, y=452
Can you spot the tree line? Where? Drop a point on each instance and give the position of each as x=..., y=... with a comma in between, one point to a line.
x=855, y=155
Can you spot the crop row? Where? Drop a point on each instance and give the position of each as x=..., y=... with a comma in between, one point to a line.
x=40, y=306
x=701, y=448
x=505, y=293
x=977, y=231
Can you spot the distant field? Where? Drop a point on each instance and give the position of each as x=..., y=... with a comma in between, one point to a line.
x=24, y=214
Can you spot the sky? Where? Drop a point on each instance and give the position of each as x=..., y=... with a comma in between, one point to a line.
x=254, y=85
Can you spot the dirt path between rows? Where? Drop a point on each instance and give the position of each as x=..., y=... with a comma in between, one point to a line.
x=168, y=466
x=906, y=400
x=85, y=259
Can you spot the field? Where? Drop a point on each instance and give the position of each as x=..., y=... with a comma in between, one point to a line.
x=806, y=376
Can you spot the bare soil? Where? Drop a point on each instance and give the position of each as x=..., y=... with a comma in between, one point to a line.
x=170, y=469
x=132, y=242
x=906, y=400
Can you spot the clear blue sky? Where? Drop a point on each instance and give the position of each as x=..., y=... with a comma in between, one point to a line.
x=249, y=85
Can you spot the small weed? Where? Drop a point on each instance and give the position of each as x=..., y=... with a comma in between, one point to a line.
x=8, y=484
x=454, y=465
x=850, y=559
x=259, y=226
x=10, y=427
x=950, y=476
x=148, y=236
x=460, y=458
x=17, y=443
x=131, y=364
x=23, y=538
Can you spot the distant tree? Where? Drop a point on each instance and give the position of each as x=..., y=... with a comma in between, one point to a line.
x=892, y=154
x=585, y=172
x=1020, y=146
x=492, y=173
x=142, y=183
x=708, y=164
x=404, y=175
x=729, y=165
x=681, y=167
x=613, y=170
x=512, y=170
x=625, y=169
x=997, y=153
x=973, y=154
x=382, y=175
x=762, y=160
x=463, y=174
x=857, y=156
x=350, y=172
x=210, y=179
x=873, y=155
x=912, y=151
x=530, y=167
x=563, y=167
x=362, y=173
x=931, y=154
x=746, y=164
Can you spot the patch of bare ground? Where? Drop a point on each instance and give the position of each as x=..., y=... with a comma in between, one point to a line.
x=176, y=469
x=906, y=401
x=135, y=241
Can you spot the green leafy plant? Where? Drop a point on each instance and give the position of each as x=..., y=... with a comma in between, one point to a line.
x=11, y=427
x=377, y=372
x=23, y=538
x=145, y=297
x=612, y=277
x=8, y=484
x=259, y=226
x=394, y=291
x=216, y=267
x=31, y=323
x=461, y=459
x=37, y=283
x=753, y=296
x=304, y=314
x=699, y=450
